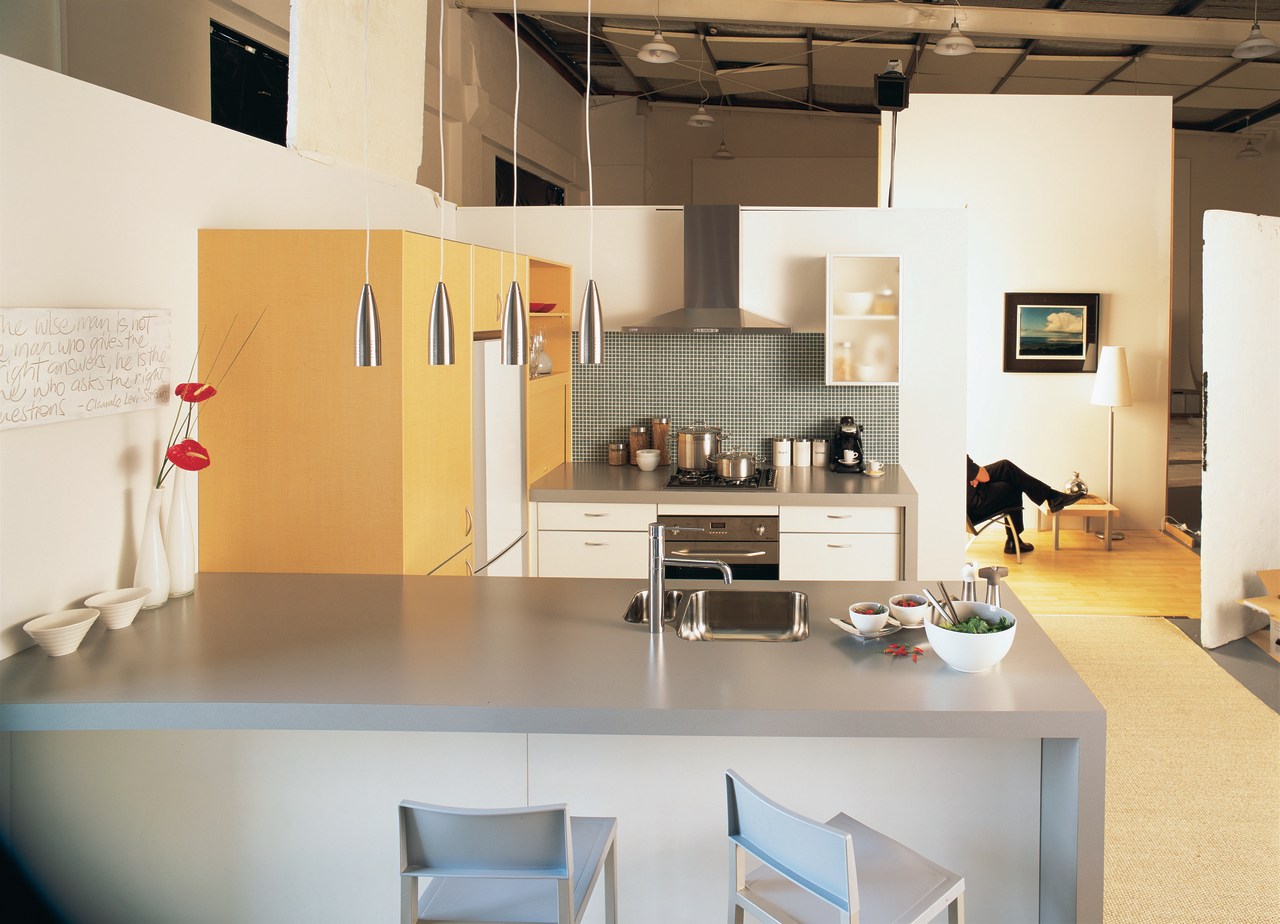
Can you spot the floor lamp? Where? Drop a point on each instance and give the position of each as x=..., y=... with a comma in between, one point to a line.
x=1111, y=390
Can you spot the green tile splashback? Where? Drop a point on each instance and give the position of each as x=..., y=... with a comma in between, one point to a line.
x=753, y=386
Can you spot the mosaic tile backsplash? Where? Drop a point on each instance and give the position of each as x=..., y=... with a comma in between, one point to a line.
x=753, y=386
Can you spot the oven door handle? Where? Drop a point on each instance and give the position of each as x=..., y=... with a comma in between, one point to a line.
x=725, y=553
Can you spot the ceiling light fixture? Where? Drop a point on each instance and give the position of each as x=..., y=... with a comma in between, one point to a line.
x=440, y=323
x=723, y=152
x=701, y=118
x=368, y=330
x=658, y=50
x=591, y=320
x=515, y=323
x=1248, y=152
x=1256, y=45
x=955, y=42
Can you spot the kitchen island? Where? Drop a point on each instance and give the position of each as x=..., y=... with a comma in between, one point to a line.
x=240, y=752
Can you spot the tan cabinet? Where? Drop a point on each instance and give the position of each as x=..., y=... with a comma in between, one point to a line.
x=461, y=565
x=548, y=402
x=491, y=279
x=319, y=466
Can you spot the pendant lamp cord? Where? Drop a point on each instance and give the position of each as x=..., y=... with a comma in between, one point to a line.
x=893, y=154
x=591, y=188
x=515, y=140
x=367, y=220
x=440, y=65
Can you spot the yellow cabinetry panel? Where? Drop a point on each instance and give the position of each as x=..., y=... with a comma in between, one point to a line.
x=491, y=279
x=547, y=422
x=461, y=565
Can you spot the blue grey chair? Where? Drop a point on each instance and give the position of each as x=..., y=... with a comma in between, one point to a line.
x=807, y=874
x=533, y=864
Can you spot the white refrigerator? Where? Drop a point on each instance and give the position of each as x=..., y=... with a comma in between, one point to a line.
x=502, y=509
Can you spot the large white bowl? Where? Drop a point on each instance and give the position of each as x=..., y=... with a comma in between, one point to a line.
x=118, y=607
x=60, y=633
x=966, y=652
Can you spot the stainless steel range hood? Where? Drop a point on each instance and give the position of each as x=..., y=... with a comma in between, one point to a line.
x=711, y=274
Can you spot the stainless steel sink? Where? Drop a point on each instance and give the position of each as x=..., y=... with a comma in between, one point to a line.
x=637, y=608
x=745, y=615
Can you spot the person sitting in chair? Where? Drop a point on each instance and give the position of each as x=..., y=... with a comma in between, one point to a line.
x=1000, y=486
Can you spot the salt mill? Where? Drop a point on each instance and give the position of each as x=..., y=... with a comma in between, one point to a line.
x=993, y=576
x=969, y=578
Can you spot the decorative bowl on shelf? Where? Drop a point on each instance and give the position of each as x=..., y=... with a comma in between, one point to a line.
x=118, y=607
x=541, y=307
x=968, y=652
x=61, y=633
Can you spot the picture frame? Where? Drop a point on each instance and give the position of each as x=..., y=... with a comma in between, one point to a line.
x=1051, y=331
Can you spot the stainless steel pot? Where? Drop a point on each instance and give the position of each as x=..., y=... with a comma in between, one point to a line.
x=734, y=465
x=695, y=446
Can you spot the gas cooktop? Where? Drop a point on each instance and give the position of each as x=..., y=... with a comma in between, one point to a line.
x=762, y=480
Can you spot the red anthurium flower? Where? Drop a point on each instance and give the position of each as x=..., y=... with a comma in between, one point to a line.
x=195, y=391
x=188, y=455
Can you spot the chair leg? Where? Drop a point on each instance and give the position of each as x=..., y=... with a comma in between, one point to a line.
x=408, y=900
x=737, y=880
x=1017, y=541
x=611, y=886
x=955, y=910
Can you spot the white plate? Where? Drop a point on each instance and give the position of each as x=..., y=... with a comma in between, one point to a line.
x=890, y=628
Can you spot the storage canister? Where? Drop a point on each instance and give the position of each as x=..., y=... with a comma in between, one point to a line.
x=820, y=453
x=782, y=452
x=618, y=453
x=639, y=440
x=802, y=453
x=662, y=439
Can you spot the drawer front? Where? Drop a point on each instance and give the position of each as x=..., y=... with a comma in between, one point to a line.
x=592, y=554
x=840, y=520
x=839, y=557
x=597, y=517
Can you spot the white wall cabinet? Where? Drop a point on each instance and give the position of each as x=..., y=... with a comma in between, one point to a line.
x=840, y=544
x=863, y=300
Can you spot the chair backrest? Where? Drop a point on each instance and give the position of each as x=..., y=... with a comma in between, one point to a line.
x=530, y=841
x=813, y=855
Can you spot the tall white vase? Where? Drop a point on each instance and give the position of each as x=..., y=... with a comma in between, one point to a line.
x=153, y=562
x=180, y=540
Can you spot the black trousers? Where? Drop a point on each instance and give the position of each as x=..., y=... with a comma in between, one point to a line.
x=1005, y=489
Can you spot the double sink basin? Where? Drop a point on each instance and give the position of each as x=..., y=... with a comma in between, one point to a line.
x=742, y=615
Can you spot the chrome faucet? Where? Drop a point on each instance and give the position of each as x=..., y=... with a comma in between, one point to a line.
x=658, y=561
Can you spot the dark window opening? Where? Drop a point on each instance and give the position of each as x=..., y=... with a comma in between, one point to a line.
x=248, y=85
x=534, y=190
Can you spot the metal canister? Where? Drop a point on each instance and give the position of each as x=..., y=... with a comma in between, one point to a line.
x=802, y=453
x=782, y=452
x=819, y=453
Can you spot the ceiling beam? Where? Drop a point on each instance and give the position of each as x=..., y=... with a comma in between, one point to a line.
x=1059, y=25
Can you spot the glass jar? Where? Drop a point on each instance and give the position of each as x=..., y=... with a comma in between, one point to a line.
x=639, y=440
x=661, y=438
x=842, y=362
x=618, y=454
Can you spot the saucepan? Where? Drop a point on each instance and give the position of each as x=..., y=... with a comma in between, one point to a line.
x=733, y=465
x=696, y=445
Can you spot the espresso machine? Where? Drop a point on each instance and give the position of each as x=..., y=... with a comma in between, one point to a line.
x=848, y=439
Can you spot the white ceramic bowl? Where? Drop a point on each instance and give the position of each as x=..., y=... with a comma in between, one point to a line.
x=875, y=372
x=964, y=651
x=61, y=633
x=118, y=607
x=647, y=459
x=909, y=616
x=854, y=302
x=869, y=622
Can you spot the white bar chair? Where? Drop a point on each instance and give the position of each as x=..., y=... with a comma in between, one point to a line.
x=532, y=865
x=807, y=873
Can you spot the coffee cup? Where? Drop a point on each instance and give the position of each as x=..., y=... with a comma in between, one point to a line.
x=874, y=467
x=848, y=457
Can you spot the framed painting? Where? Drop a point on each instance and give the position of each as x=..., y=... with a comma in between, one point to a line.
x=1051, y=332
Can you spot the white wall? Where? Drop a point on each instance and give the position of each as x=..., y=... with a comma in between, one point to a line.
x=1064, y=194
x=1241, y=493
x=102, y=196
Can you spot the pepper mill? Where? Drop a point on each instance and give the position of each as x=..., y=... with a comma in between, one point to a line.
x=993, y=576
x=969, y=586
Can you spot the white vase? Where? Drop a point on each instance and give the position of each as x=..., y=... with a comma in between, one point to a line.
x=180, y=540
x=153, y=562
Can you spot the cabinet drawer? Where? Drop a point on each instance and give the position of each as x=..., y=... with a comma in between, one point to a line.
x=839, y=557
x=840, y=520
x=596, y=517
x=592, y=554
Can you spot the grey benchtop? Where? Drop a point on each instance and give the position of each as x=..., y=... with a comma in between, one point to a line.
x=599, y=482
x=535, y=655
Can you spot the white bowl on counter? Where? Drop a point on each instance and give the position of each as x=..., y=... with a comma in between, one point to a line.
x=968, y=652
x=873, y=621
x=61, y=633
x=118, y=607
x=647, y=459
x=910, y=617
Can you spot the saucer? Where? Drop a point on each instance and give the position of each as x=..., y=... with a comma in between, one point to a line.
x=874, y=474
x=891, y=627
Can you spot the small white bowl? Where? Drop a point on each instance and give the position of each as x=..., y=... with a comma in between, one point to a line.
x=118, y=607
x=647, y=459
x=869, y=622
x=854, y=302
x=909, y=616
x=60, y=633
x=967, y=652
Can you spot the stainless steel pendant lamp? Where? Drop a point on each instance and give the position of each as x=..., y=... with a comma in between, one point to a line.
x=515, y=323
x=440, y=321
x=591, y=320
x=368, y=330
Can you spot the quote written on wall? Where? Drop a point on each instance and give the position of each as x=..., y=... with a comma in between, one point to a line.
x=65, y=363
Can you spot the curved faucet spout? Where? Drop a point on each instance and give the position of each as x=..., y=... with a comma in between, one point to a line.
x=658, y=561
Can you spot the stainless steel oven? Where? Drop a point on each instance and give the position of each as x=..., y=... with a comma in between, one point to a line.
x=748, y=544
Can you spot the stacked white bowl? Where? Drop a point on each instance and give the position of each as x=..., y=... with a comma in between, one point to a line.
x=118, y=607
x=60, y=633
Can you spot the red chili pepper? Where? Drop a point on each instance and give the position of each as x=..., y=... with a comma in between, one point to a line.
x=188, y=455
x=195, y=391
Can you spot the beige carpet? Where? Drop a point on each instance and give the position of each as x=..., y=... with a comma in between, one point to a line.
x=1193, y=767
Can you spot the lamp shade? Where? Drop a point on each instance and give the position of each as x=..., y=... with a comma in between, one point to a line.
x=1111, y=384
x=515, y=329
x=368, y=330
x=954, y=43
x=1255, y=45
x=658, y=51
x=440, y=329
x=591, y=328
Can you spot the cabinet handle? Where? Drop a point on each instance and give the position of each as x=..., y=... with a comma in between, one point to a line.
x=595, y=514
x=839, y=516
x=470, y=572
x=497, y=315
x=470, y=522
x=845, y=545
x=595, y=543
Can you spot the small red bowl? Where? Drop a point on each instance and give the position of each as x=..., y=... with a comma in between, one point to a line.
x=541, y=307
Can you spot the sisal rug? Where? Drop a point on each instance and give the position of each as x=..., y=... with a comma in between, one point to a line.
x=1193, y=759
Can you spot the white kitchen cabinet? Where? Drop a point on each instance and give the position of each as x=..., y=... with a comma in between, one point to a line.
x=610, y=517
x=863, y=302
x=840, y=544
x=840, y=520
x=592, y=554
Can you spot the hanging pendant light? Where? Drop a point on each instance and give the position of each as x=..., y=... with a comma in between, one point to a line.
x=440, y=321
x=515, y=323
x=1255, y=45
x=368, y=330
x=1248, y=152
x=657, y=50
x=590, y=319
x=722, y=152
x=701, y=118
x=954, y=43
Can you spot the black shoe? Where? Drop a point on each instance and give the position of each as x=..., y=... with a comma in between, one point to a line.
x=1022, y=546
x=1058, y=500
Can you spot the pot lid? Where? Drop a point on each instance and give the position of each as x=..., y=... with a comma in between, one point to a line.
x=698, y=429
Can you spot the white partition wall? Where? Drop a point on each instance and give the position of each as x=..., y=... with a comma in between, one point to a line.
x=1241, y=489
